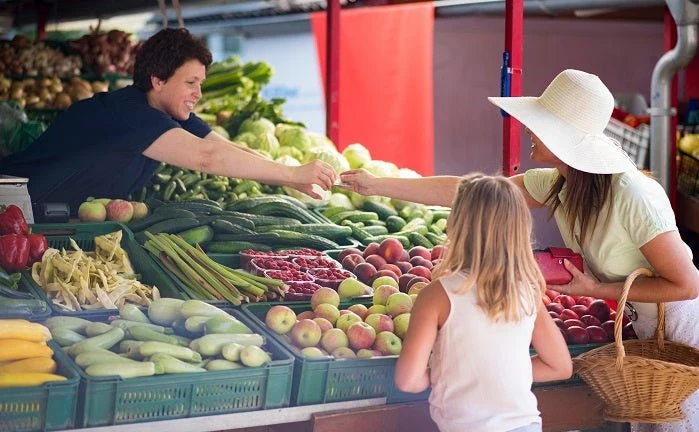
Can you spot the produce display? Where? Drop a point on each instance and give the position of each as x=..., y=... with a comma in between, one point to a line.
x=117, y=210
x=25, y=358
x=111, y=52
x=24, y=57
x=102, y=279
x=172, y=337
x=584, y=319
x=49, y=93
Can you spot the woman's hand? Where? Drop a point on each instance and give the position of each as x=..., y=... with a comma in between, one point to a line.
x=316, y=172
x=580, y=285
x=359, y=181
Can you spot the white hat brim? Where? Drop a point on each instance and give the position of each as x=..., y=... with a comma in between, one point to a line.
x=592, y=153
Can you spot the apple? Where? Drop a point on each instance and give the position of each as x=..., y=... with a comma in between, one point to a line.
x=577, y=335
x=568, y=314
x=306, y=333
x=333, y=339
x=384, y=275
x=380, y=322
x=420, y=261
x=325, y=296
x=559, y=322
x=312, y=352
x=349, y=251
x=376, y=260
x=349, y=288
x=352, y=261
x=391, y=249
x=400, y=324
x=327, y=311
x=579, y=309
x=365, y=272
x=420, y=251
x=119, y=210
x=140, y=210
x=254, y=356
x=367, y=353
x=376, y=309
x=555, y=307
x=554, y=315
x=361, y=335
x=403, y=282
x=597, y=334
x=404, y=256
x=92, y=211
x=627, y=332
x=413, y=297
x=371, y=249
x=600, y=309
x=398, y=303
x=382, y=293
x=388, y=344
x=306, y=315
x=416, y=288
x=437, y=252
x=585, y=300
x=344, y=353
x=545, y=299
x=384, y=280
x=280, y=319
x=573, y=322
x=324, y=324
x=552, y=294
x=347, y=320
x=590, y=320
x=359, y=309
x=608, y=327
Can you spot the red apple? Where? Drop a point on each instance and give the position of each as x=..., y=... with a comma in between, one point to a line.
x=585, y=300
x=559, y=322
x=596, y=334
x=552, y=294
x=577, y=335
x=349, y=251
x=600, y=309
x=420, y=251
x=545, y=299
x=404, y=256
x=628, y=332
x=403, y=282
x=608, y=327
x=554, y=315
x=555, y=307
x=349, y=262
x=437, y=252
x=573, y=322
x=391, y=249
x=568, y=314
x=590, y=320
x=371, y=249
x=579, y=309
x=612, y=315
x=566, y=300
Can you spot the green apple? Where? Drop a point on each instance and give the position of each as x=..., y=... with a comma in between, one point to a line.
x=368, y=353
x=401, y=323
x=376, y=309
x=413, y=297
x=254, y=356
x=417, y=287
x=344, y=353
x=384, y=280
x=388, y=344
x=312, y=352
x=306, y=333
x=351, y=288
x=92, y=211
x=383, y=292
x=280, y=319
x=327, y=311
x=398, y=303
x=347, y=320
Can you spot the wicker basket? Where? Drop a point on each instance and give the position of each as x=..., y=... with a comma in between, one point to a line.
x=641, y=380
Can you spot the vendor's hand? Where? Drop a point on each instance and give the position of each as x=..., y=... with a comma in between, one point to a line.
x=359, y=181
x=580, y=285
x=317, y=172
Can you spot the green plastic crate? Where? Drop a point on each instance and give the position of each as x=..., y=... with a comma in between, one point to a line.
x=39, y=315
x=59, y=235
x=106, y=401
x=51, y=406
x=326, y=380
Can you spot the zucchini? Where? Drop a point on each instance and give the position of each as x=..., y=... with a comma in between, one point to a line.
x=131, y=312
x=192, y=308
x=105, y=340
x=172, y=365
x=130, y=348
x=418, y=239
x=329, y=231
x=143, y=333
x=212, y=344
x=395, y=223
x=229, y=226
x=165, y=311
x=97, y=328
x=88, y=358
x=195, y=325
x=220, y=364
x=71, y=323
x=378, y=239
x=233, y=247
x=382, y=210
x=197, y=235
x=231, y=351
x=150, y=348
x=124, y=370
x=225, y=324
x=65, y=336
x=126, y=324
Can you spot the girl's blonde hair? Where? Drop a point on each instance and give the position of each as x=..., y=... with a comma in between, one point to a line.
x=490, y=239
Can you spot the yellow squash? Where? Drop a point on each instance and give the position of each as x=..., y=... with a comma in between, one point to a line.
x=18, y=349
x=27, y=379
x=23, y=329
x=34, y=364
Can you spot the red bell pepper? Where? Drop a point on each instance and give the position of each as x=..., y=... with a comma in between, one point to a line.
x=12, y=221
x=37, y=246
x=14, y=252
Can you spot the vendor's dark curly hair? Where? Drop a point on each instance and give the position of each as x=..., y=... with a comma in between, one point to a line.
x=164, y=52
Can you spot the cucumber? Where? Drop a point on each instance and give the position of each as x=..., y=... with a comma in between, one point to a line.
x=124, y=370
x=172, y=365
x=97, y=328
x=329, y=231
x=284, y=209
x=358, y=232
x=380, y=209
x=264, y=219
x=435, y=239
x=142, y=224
x=197, y=235
x=173, y=226
x=374, y=223
x=418, y=239
x=269, y=238
x=440, y=214
x=293, y=238
x=65, y=336
x=194, y=207
x=332, y=211
x=376, y=230
x=228, y=226
x=420, y=229
x=395, y=223
x=354, y=216
x=245, y=204
x=233, y=247
x=150, y=348
x=192, y=308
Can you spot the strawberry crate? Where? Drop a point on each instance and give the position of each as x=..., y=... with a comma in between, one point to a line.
x=59, y=235
x=111, y=400
x=51, y=406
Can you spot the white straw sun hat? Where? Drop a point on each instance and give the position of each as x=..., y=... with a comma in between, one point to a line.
x=569, y=118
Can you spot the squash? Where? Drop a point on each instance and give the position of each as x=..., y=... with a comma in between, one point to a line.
x=23, y=329
x=165, y=311
x=33, y=364
x=124, y=370
x=18, y=349
x=172, y=365
x=27, y=379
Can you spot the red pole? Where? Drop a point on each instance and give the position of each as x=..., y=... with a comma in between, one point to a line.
x=41, y=14
x=332, y=84
x=669, y=42
x=514, y=24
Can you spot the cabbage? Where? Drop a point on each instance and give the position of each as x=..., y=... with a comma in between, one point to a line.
x=268, y=142
x=321, y=141
x=381, y=168
x=290, y=161
x=357, y=155
x=332, y=157
x=294, y=136
x=290, y=151
x=248, y=139
x=340, y=200
x=257, y=127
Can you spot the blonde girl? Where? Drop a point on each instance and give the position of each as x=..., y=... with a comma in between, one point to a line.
x=472, y=326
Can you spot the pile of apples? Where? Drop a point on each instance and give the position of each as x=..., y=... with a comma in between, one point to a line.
x=355, y=332
x=390, y=259
x=584, y=319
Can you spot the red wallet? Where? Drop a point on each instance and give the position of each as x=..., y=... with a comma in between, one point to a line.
x=551, y=264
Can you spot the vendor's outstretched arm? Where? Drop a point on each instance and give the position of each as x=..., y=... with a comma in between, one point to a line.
x=213, y=156
x=438, y=190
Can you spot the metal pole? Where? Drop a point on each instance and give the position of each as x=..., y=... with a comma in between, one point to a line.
x=332, y=78
x=514, y=24
x=669, y=42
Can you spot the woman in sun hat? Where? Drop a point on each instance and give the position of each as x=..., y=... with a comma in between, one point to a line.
x=618, y=218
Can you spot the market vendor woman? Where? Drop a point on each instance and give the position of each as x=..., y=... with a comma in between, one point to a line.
x=605, y=208
x=111, y=144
